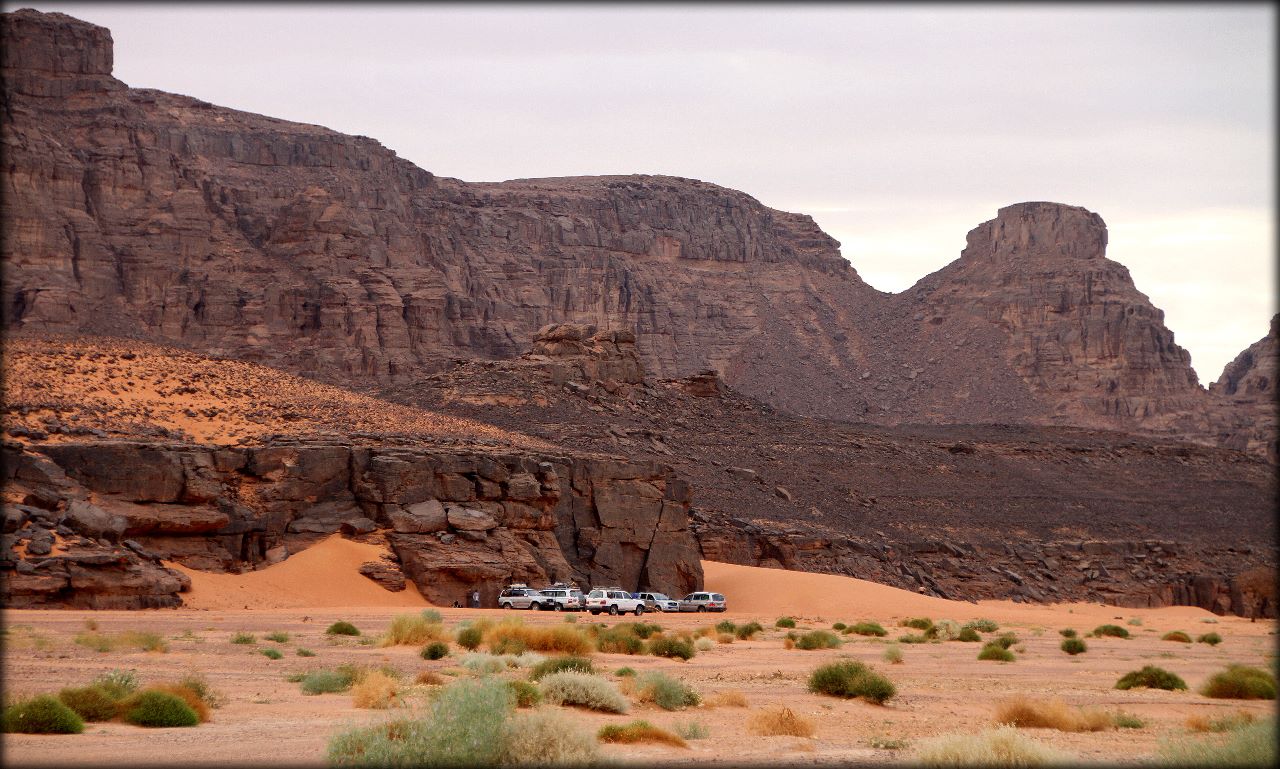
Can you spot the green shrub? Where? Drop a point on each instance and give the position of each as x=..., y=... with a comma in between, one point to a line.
x=487, y=664
x=41, y=715
x=982, y=625
x=469, y=638
x=995, y=652
x=725, y=626
x=561, y=665
x=1253, y=745
x=92, y=703
x=1136, y=621
x=1068, y=632
x=624, y=672
x=1151, y=677
x=1213, y=639
x=117, y=684
x=546, y=738
x=839, y=626
x=243, y=638
x=748, y=631
x=1114, y=631
x=784, y=622
x=432, y=616
x=1176, y=635
x=326, y=682
x=1005, y=640
x=1122, y=720
x=160, y=709
x=583, y=690
x=913, y=638
x=968, y=634
x=526, y=694
x=892, y=654
x=203, y=691
x=1240, y=682
x=278, y=637
x=1074, y=646
x=919, y=623
x=304, y=652
x=818, y=639
x=435, y=650
x=666, y=692
x=944, y=630
x=662, y=646
x=619, y=640
x=868, y=628
x=342, y=627
x=692, y=730
x=271, y=654
x=848, y=679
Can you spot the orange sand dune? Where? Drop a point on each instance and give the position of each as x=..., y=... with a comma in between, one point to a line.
x=325, y=574
x=776, y=592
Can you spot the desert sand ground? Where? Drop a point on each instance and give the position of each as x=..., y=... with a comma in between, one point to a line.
x=942, y=687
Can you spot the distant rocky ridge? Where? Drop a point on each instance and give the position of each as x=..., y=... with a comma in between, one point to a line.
x=139, y=213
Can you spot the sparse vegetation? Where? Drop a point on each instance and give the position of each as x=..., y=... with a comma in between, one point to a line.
x=692, y=730
x=435, y=650
x=1252, y=745
x=1135, y=621
x=1114, y=631
x=43, y=714
x=704, y=644
x=470, y=638
x=994, y=652
x=91, y=703
x=412, y=630
x=1213, y=639
x=1176, y=635
x=429, y=678
x=118, y=684
x=527, y=695
x=1151, y=677
x=1002, y=746
x=867, y=628
x=271, y=654
x=849, y=678
x=244, y=638
x=662, y=646
x=748, y=631
x=639, y=731
x=983, y=625
x=375, y=690
x=184, y=693
x=1227, y=723
x=1005, y=640
x=968, y=634
x=665, y=692
x=546, y=738
x=918, y=623
x=725, y=626
x=513, y=637
x=304, y=652
x=787, y=622
x=1123, y=720
x=944, y=630
x=326, y=682
x=278, y=637
x=342, y=627
x=913, y=638
x=624, y=672
x=583, y=690
x=1052, y=714
x=156, y=708
x=780, y=721
x=839, y=626
x=818, y=639
x=1068, y=632
x=1241, y=682
x=1074, y=646
x=892, y=654
x=731, y=698
x=102, y=642
x=564, y=664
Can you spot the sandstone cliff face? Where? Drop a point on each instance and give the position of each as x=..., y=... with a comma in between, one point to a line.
x=140, y=213
x=1246, y=398
x=457, y=521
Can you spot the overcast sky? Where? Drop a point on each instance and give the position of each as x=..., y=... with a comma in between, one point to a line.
x=898, y=128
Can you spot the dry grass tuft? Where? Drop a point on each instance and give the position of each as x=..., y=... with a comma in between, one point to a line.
x=728, y=699
x=375, y=690
x=1225, y=723
x=639, y=731
x=780, y=721
x=430, y=678
x=187, y=695
x=725, y=638
x=1052, y=714
x=1002, y=746
x=413, y=630
x=514, y=637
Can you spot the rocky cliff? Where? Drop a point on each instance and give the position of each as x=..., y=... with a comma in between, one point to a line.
x=1245, y=417
x=139, y=213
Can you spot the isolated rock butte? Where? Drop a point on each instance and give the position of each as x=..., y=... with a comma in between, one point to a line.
x=139, y=213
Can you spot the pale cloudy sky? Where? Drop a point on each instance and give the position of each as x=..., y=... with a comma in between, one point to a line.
x=899, y=128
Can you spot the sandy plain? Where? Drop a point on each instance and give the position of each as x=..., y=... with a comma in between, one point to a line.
x=942, y=687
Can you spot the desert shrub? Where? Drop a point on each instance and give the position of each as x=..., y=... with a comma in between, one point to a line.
x=705, y=631
x=561, y=665
x=342, y=627
x=326, y=682
x=919, y=623
x=1115, y=631
x=1213, y=639
x=1252, y=745
x=412, y=630
x=118, y=684
x=692, y=730
x=1227, y=723
x=780, y=722
x=44, y=714
x=968, y=634
x=514, y=637
x=944, y=630
x=868, y=628
x=892, y=654
x=724, y=638
x=435, y=650
x=913, y=638
x=583, y=690
x=1068, y=632
x=995, y=652
x=849, y=678
x=91, y=703
x=728, y=699
x=662, y=646
x=187, y=695
x=1151, y=677
x=619, y=640
x=638, y=731
x=704, y=644
x=665, y=692
x=784, y=622
x=546, y=738
x=271, y=654
x=278, y=637
x=160, y=709
x=982, y=625
x=624, y=672
x=486, y=664
x=1176, y=635
x=244, y=638
x=789, y=642
x=201, y=688
x=526, y=694
x=469, y=638
x=376, y=690
x=304, y=652
x=818, y=639
x=839, y=626
x=748, y=631
x=151, y=642
x=1002, y=746
x=429, y=678
x=432, y=616
x=1052, y=714
x=1137, y=621
x=1240, y=682
x=644, y=629
x=1074, y=646
x=1122, y=720
x=1005, y=640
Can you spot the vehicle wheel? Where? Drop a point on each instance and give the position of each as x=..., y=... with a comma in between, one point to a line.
x=702, y=609
x=504, y=606
x=594, y=612
x=557, y=606
x=639, y=610
x=535, y=606
x=613, y=610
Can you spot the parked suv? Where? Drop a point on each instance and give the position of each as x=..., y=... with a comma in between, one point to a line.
x=658, y=602
x=562, y=598
x=613, y=600
x=520, y=597
x=703, y=602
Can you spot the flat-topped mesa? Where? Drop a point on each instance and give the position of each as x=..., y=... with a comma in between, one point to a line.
x=1039, y=229
x=52, y=54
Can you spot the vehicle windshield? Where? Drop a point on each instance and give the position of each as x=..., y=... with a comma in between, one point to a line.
x=660, y=597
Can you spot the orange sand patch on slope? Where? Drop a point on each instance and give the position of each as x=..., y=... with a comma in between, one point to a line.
x=777, y=592
x=325, y=574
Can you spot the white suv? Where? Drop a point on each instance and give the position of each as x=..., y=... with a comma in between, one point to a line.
x=520, y=597
x=562, y=598
x=659, y=602
x=613, y=600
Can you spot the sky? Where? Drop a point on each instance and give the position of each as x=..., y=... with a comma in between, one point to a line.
x=897, y=127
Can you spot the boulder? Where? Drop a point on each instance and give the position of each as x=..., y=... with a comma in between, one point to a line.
x=418, y=518
x=469, y=519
